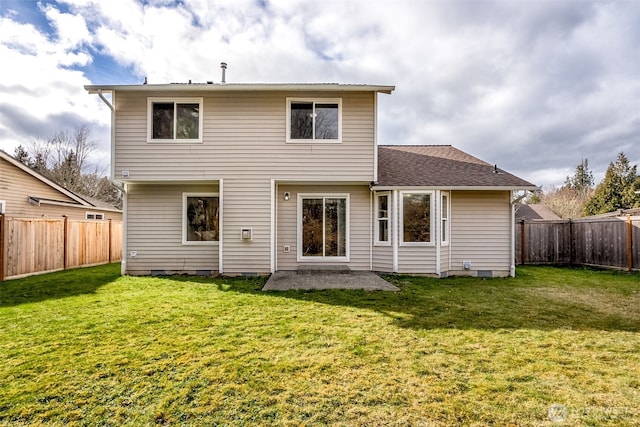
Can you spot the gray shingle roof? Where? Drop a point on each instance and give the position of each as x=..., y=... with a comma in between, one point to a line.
x=439, y=166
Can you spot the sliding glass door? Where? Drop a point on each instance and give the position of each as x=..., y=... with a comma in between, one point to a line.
x=323, y=227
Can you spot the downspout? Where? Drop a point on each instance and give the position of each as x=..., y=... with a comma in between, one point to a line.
x=113, y=133
x=370, y=229
x=125, y=187
x=375, y=137
x=220, y=226
x=438, y=225
x=273, y=232
x=394, y=223
x=125, y=234
x=512, y=225
x=512, y=269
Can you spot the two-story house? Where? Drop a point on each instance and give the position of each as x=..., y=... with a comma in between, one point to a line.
x=256, y=178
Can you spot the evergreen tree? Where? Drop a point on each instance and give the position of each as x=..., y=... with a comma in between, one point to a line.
x=616, y=191
x=582, y=179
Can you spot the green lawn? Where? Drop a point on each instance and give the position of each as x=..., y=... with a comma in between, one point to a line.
x=87, y=347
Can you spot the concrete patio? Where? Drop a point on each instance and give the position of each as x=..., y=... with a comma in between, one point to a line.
x=326, y=277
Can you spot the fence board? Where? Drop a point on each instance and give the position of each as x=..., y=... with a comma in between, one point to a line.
x=597, y=242
x=37, y=245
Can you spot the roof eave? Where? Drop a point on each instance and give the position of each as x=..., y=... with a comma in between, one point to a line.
x=208, y=87
x=455, y=187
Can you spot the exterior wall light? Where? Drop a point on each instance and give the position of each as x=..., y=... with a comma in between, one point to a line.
x=287, y=195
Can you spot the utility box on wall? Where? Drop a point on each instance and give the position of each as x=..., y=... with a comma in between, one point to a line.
x=246, y=233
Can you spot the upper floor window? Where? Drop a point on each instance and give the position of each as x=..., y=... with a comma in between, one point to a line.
x=175, y=119
x=310, y=120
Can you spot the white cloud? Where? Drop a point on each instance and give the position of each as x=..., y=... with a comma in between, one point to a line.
x=532, y=86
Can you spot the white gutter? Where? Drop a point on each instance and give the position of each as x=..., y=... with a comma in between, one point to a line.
x=196, y=87
x=455, y=188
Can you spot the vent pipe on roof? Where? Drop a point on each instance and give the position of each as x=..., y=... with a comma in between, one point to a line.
x=223, y=65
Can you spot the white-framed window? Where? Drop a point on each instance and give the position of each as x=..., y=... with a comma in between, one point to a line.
x=314, y=120
x=323, y=227
x=94, y=215
x=200, y=218
x=444, y=217
x=3, y=207
x=174, y=119
x=382, y=209
x=416, y=218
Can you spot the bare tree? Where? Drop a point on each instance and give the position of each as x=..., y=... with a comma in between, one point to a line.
x=65, y=159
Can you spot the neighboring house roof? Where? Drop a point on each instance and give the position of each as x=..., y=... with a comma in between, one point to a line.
x=537, y=211
x=35, y=199
x=441, y=166
x=210, y=86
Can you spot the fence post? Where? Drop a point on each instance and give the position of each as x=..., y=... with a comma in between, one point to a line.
x=65, y=242
x=629, y=243
x=109, y=243
x=2, y=251
x=572, y=244
x=523, y=250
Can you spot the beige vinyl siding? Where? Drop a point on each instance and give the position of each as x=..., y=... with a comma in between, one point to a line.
x=444, y=259
x=246, y=204
x=417, y=259
x=383, y=259
x=154, y=230
x=244, y=137
x=359, y=224
x=480, y=231
x=17, y=185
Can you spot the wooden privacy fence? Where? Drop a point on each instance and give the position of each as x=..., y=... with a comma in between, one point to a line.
x=38, y=245
x=602, y=242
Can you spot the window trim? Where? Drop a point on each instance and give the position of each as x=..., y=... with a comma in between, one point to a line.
x=445, y=219
x=377, y=219
x=3, y=207
x=184, y=216
x=323, y=258
x=431, y=195
x=177, y=100
x=314, y=101
x=95, y=215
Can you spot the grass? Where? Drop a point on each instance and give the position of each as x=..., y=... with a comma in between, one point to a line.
x=88, y=347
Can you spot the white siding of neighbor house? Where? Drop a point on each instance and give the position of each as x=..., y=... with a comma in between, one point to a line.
x=244, y=138
x=154, y=230
x=480, y=231
x=359, y=224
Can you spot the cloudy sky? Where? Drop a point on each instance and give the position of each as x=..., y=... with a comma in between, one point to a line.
x=532, y=85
